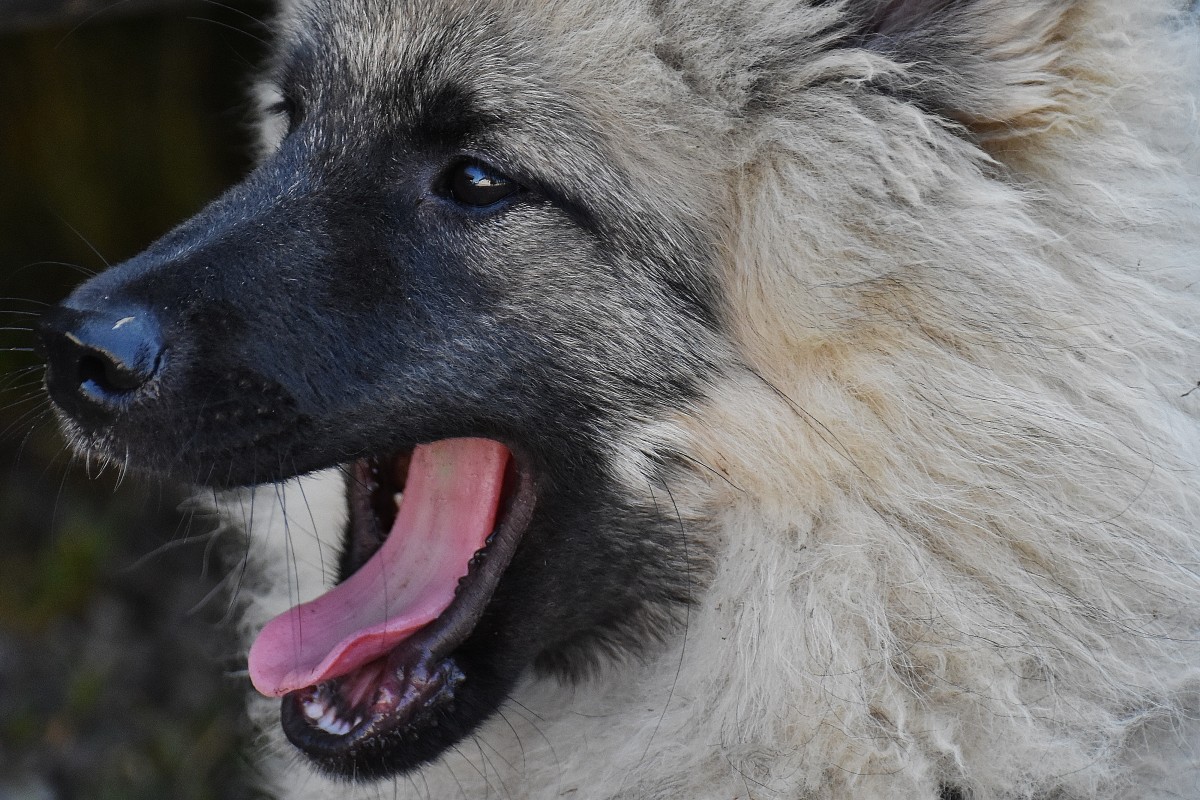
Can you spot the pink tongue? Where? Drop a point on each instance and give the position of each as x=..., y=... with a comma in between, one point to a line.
x=447, y=512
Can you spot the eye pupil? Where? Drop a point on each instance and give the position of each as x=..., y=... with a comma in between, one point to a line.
x=476, y=184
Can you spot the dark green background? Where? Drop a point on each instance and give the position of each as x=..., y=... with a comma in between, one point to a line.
x=117, y=678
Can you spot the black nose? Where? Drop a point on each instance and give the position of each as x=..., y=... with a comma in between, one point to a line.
x=99, y=360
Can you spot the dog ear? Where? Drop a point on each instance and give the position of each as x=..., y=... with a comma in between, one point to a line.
x=992, y=65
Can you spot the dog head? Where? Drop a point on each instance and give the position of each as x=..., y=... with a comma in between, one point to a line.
x=445, y=279
x=489, y=256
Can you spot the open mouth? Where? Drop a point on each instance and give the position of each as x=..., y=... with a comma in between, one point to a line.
x=432, y=530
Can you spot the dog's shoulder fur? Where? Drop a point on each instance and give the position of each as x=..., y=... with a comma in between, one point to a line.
x=943, y=497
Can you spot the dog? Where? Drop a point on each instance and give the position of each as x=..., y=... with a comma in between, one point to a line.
x=695, y=399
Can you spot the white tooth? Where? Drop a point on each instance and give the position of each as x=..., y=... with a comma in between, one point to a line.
x=343, y=728
x=313, y=709
x=397, y=497
x=325, y=722
x=332, y=727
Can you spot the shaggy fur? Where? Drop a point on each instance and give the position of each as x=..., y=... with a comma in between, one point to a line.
x=937, y=492
x=947, y=471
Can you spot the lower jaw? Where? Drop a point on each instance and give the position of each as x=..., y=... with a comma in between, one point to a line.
x=408, y=698
x=458, y=696
x=407, y=703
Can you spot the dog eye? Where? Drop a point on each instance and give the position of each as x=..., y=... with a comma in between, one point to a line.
x=476, y=184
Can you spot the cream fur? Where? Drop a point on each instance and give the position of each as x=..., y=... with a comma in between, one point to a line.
x=949, y=475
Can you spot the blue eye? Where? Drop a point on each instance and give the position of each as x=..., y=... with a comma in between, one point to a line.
x=476, y=184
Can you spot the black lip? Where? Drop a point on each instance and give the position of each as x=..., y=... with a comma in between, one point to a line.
x=420, y=677
x=371, y=484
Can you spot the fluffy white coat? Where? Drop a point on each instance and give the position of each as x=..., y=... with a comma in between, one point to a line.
x=950, y=471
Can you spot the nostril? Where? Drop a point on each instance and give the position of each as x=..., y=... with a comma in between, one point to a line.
x=100, y=359
x=108, y=376
x=93, y=368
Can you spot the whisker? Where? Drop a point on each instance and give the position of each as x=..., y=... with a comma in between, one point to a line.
x=236, y=10
x=25, y=417
x=88, y=19
x=72, y=228
x=313, y=520
x=85, y=271
x=167, y=547
x=233, y=28
x=687, y=616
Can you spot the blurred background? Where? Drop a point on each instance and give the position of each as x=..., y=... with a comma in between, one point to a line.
x=118, y=119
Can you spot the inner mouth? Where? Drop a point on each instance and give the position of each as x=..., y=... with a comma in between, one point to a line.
x=431, y=532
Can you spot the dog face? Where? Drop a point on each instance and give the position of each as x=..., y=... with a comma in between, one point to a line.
x=428, y=254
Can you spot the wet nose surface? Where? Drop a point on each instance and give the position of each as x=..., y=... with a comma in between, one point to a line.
x=99, y=360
